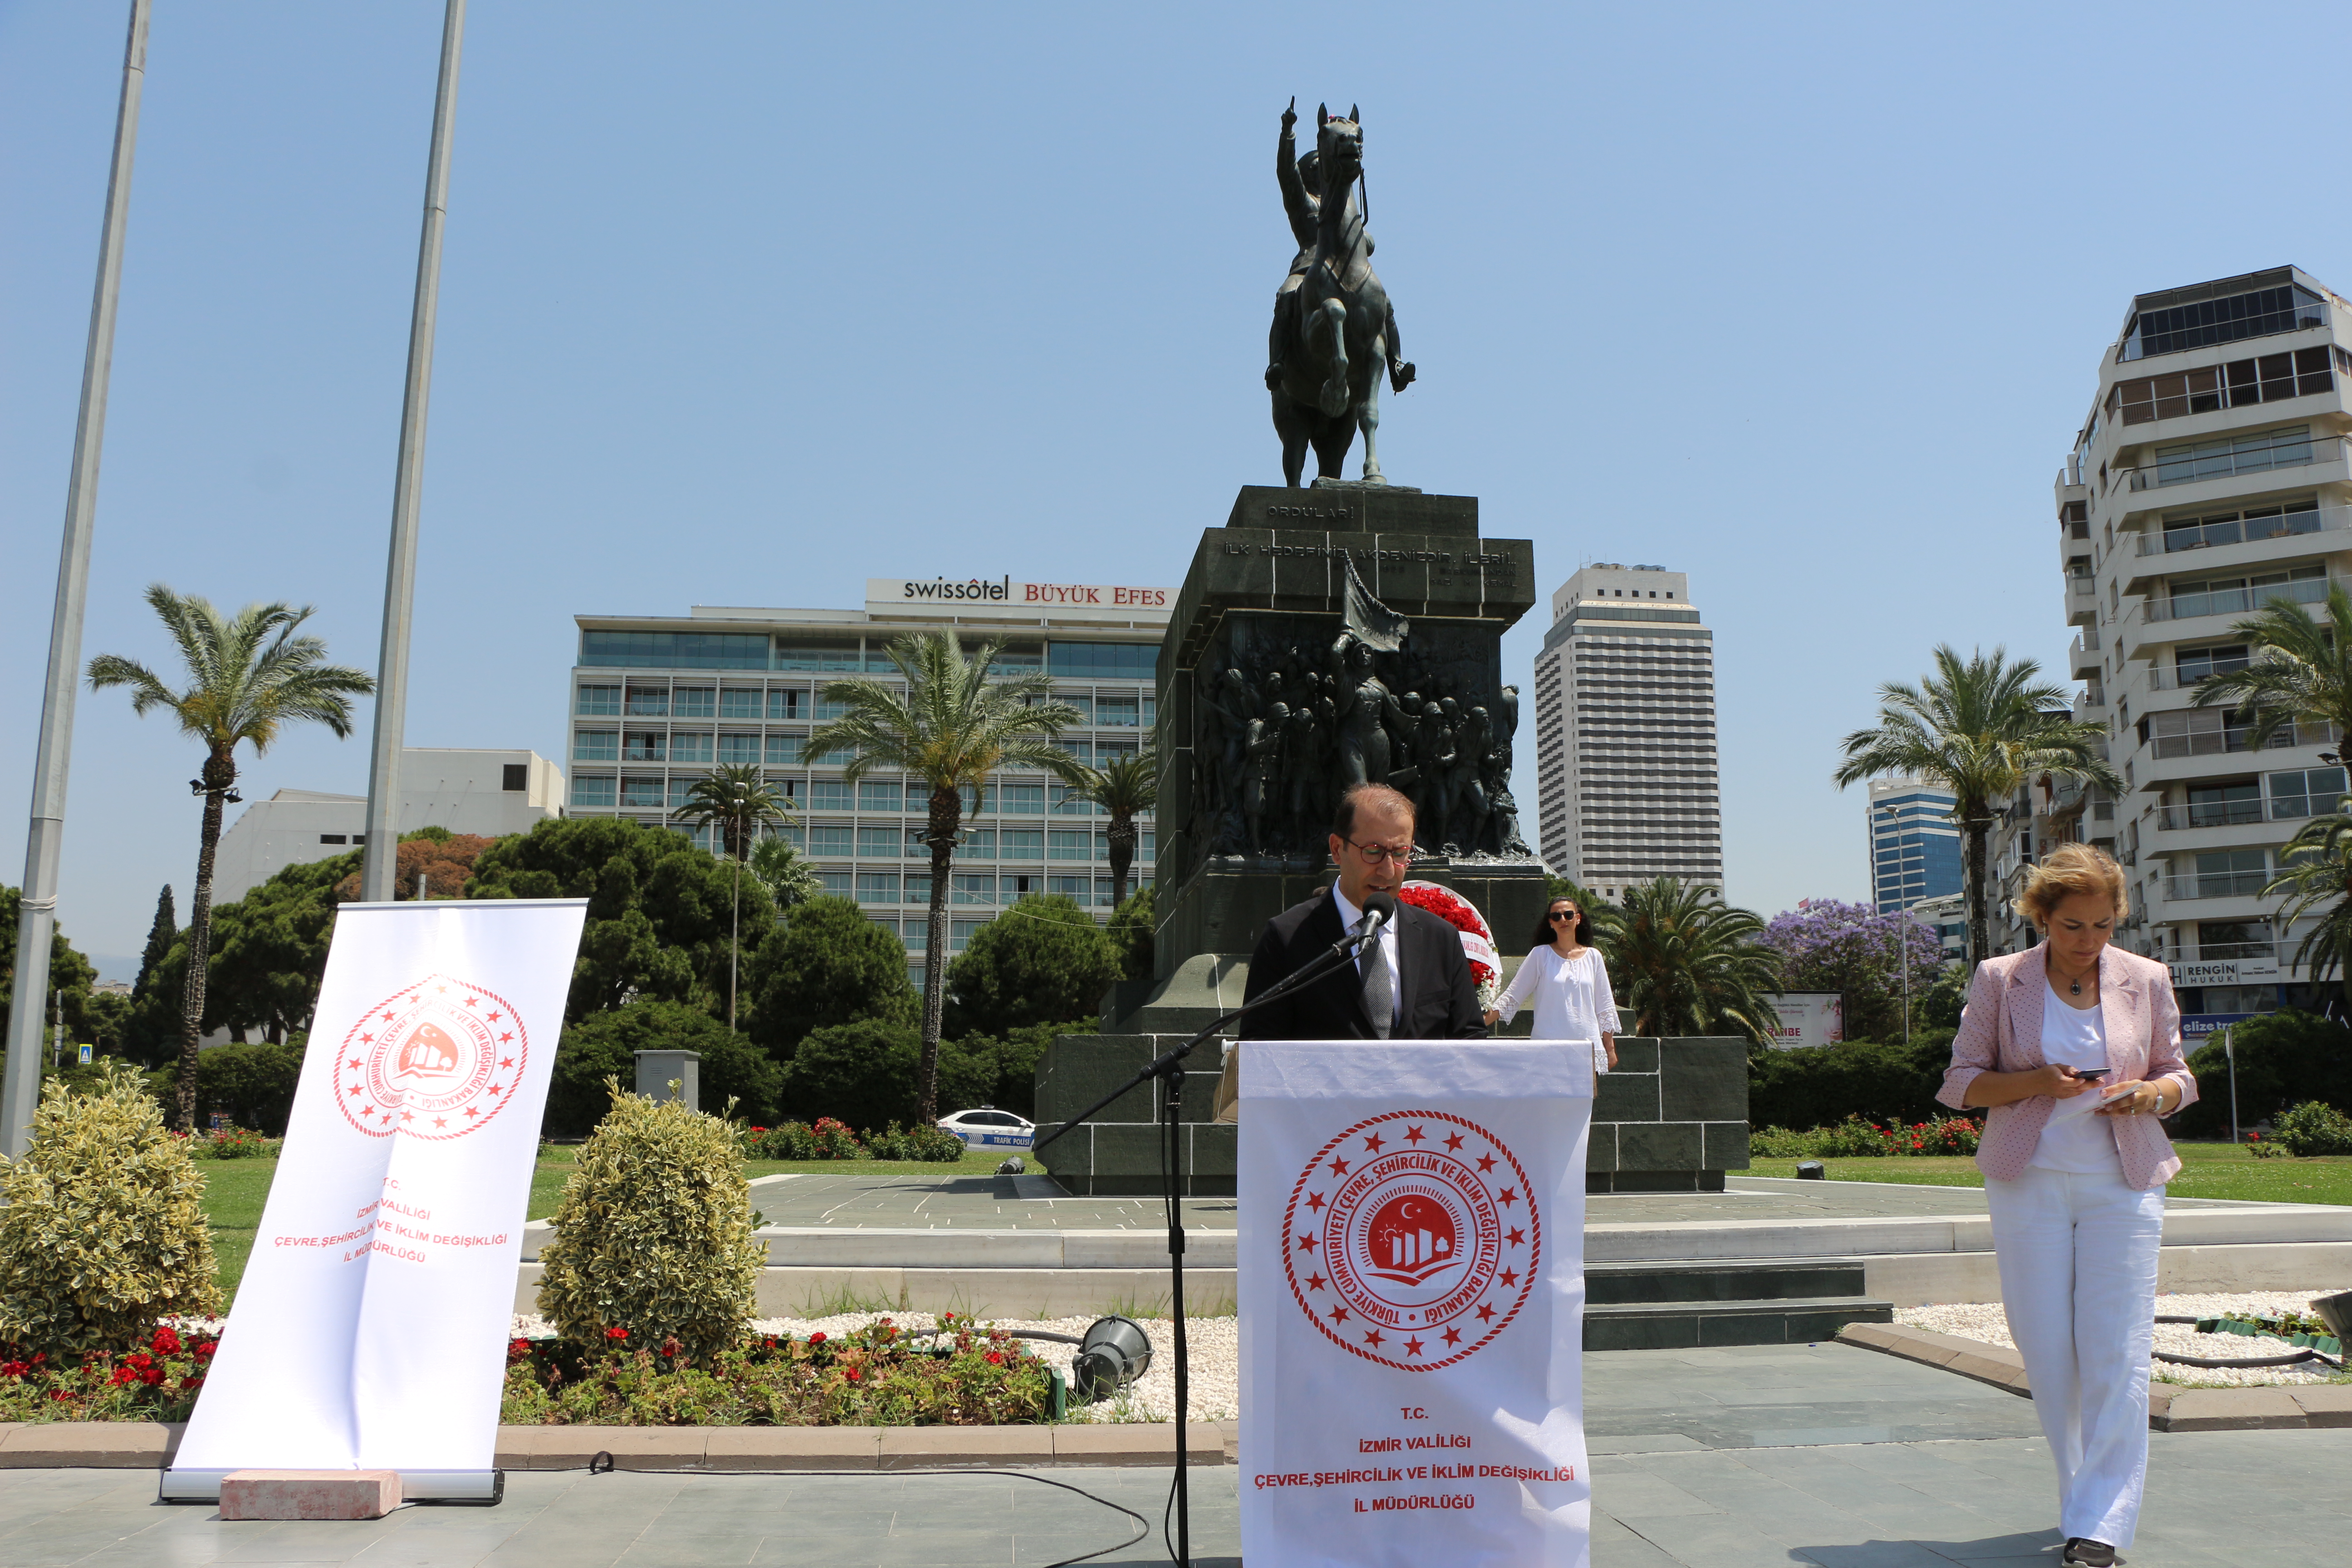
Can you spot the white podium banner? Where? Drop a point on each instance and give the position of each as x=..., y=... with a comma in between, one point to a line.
x=1412, y=1272
x=370, y=1328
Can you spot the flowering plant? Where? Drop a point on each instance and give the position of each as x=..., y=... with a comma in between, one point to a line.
x=157, y=1382
x=960, y=1373
x=1855, y=1138
x=1477, y=938
x=828, y=1139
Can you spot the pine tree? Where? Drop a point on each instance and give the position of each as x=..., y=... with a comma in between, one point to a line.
x=160, y=937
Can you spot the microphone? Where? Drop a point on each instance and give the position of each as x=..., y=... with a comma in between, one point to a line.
x=1380, y=910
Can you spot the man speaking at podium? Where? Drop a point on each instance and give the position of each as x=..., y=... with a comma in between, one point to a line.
x=1411, y=983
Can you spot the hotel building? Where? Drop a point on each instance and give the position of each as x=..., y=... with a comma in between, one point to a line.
x=2211, y=477
x=654, y=701
x=1625, y=755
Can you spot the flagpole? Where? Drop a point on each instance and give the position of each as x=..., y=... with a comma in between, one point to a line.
x=36, y=917
x=380, y=863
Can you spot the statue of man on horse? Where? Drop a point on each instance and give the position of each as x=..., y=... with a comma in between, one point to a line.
x=1334, y=330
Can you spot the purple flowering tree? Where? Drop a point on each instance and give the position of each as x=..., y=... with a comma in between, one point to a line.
x=1851, y=948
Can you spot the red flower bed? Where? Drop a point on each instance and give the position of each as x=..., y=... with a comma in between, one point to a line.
x=157, y=1384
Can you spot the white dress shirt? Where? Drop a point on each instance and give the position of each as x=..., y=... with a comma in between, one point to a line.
x=1386, y=943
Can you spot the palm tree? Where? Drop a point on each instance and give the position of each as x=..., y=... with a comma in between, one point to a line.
x=2316, y=868
x=1685, y=962
x=1980, y=727
x=250, y=675
x=1125, y=788
x=789, y=879
x=2300, y=671
x=736, y=798
x=952, y=728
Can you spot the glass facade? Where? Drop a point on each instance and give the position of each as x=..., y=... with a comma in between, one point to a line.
x=1915, y=848
x=640, y=740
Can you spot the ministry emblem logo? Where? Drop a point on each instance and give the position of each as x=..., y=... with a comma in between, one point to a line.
x=1412, y=1238
x=437, y=1059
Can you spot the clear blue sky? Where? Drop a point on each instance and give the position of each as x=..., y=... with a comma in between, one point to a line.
x=745, y=303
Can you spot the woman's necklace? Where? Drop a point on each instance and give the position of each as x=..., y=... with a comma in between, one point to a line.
x=2074, y=986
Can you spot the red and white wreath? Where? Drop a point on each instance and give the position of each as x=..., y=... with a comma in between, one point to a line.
x=1477, y=939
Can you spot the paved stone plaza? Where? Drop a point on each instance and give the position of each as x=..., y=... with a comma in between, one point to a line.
x=1748, y=1457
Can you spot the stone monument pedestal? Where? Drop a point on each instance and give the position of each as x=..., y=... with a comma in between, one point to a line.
x=1342, y=633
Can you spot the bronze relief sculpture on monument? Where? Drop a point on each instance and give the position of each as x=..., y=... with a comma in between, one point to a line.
x=1292, y=711
x=1334, y=329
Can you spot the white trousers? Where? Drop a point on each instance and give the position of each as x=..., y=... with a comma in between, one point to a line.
x=2077, y=1257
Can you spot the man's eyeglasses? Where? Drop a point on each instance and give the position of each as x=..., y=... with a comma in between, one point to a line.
x=1381, y=854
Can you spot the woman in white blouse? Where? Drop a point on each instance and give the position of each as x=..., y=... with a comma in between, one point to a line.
x=1570, y=982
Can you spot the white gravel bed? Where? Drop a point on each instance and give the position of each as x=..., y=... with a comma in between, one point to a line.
x=1216, y=1345
x=1986, y=1321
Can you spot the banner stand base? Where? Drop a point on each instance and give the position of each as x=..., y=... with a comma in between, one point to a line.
x=466, y=1489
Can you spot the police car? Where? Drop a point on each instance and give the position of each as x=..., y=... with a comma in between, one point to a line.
x=990, y=1129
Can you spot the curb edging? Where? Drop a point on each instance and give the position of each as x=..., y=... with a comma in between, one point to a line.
x=2171, y=1408
x=714, y=1450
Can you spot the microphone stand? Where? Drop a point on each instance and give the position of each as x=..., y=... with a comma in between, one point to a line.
x=1169, y=1067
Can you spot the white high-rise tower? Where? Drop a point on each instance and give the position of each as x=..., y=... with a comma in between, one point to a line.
x=1625, y=732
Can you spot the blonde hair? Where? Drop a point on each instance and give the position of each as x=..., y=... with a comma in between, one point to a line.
x=2069, y=869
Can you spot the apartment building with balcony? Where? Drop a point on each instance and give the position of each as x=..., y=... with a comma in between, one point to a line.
x=1626, y=767
x=2212, y=475
x=652, y=702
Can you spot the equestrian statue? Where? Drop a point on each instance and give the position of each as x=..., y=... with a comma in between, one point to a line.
x=1334, y=330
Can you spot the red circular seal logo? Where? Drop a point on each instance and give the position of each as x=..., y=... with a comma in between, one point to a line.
x=434, y=1061
x=1412, y=1238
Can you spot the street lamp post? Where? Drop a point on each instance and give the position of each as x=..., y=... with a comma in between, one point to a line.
x=1902, y=938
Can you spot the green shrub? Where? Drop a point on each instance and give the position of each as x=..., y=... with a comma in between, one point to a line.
x=653, y=1237
x=861, y=1072
x=879, y=1375
x=103, y=1234
x=2284, y=1058
x=253, y=1084
x=926, y=1143
x=1819, y=1086
x=2313, y=1127
x=828, y=1139
x=605, y=1044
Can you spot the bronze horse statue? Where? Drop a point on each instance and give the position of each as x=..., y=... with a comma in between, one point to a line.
x=1334, y=329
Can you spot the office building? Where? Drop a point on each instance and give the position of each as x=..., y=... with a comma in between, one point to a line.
x=2209, y=478
x=492, y=793
x=1913, y=842
x=655, y=700
x=1626, y=771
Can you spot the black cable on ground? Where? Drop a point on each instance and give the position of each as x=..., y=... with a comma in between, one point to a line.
x=601, y=1463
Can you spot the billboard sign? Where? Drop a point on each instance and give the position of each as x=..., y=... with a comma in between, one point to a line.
x=2221, y=971
x=1809, y=1019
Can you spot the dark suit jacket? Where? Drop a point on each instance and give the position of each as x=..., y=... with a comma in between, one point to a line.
x=1440, y=999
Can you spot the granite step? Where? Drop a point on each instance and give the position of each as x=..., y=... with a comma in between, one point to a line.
x=1619, y=1284
x=1690, y=1325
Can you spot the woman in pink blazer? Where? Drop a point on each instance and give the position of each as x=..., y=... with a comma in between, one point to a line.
x=2075, y=1047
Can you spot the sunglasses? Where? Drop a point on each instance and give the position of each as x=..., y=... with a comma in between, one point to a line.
x=1563, y=915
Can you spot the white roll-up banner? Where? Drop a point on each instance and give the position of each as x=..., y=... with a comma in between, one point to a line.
x=1411, y=1273
x=370, y=1327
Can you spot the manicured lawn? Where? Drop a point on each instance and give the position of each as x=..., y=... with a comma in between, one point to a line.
x=236, y=1189
x=2208, y=1171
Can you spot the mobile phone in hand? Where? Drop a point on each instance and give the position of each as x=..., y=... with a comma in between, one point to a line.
x=2090, y=1074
